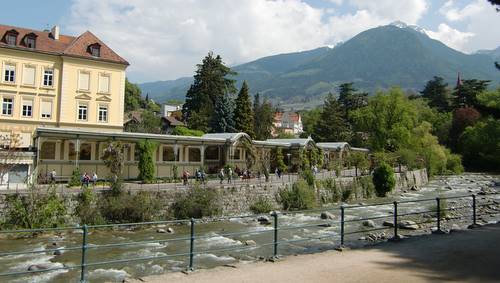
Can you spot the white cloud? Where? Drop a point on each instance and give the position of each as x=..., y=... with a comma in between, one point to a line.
x=166, y=39
x=408, y=11
x=478, y=18
x=450, y=36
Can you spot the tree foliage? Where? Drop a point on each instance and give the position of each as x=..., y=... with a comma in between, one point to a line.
x=332, y=126
x=211, y=81
x=223, y=117
x=437, y=94
x=243, y=114
x=263, y=118
x=383, y=179
x=480, y=145
x=147, y=170
x=133, y=99
x=466, y=93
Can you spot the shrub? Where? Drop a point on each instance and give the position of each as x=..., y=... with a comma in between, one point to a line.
x=35, y=210
x=454, y=163
x=308, y=176
x=262, y=205
x=124, y=207
x=87, y=209
x=443, y=206
x=383, y=179
x=366, y=183
x=75, y=180
x=183, y=131
x=299, y=197
x=347, y=193
x=333, y=191
x=197, y=203
x=146, y=161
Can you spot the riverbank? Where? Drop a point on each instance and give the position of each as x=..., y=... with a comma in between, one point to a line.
x=464, y=256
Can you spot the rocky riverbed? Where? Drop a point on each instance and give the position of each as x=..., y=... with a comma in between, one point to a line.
x=248, y=238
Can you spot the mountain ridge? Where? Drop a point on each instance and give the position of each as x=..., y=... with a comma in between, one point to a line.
x=381, y=57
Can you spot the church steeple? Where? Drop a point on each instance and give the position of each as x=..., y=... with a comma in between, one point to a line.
x=459, y=81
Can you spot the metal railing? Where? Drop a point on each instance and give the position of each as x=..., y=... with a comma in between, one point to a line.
x=274, y=241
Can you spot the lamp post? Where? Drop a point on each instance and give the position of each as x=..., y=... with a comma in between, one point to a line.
x=289, y=166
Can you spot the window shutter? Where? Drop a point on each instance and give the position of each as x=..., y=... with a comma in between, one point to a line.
x=29, y=75
x=104, y=84
x=46, y=109
x=84, y=79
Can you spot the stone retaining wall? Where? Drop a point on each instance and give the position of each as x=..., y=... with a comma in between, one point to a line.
x=237, y=200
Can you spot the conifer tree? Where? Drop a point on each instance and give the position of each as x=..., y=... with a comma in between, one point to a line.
x=210, y=82
x=466, y=92
x=437, y=93
x=223, y=117
x=332, y=126
x=263, y=118
x=243, y=114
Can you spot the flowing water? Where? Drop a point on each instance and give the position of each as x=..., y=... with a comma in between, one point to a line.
x=232, y=239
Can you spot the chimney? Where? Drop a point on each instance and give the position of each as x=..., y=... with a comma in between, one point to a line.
x=55, y=32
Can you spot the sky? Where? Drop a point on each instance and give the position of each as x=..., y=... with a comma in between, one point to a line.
x=165, y=39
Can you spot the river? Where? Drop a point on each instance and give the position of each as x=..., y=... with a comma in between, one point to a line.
x=239, y=246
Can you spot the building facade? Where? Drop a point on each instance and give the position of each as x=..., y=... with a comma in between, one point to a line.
x=54, y=81
x=287, y=123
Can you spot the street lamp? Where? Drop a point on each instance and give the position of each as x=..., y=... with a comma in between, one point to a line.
x=289, y=166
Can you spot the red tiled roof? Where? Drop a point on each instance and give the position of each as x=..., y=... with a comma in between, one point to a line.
x=65, y=45
x=173, y=121
x=293, y=116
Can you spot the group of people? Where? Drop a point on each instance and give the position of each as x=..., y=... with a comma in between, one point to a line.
x=199, y=175
x=86, y=179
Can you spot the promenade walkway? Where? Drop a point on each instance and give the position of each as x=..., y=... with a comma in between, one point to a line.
x=464, y=256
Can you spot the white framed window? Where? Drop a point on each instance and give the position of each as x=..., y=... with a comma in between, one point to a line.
x=82, y=112
x=46, y=109
x=29, y=75
x=11, y=39
x=48, y=77
x=27, y=108
x=102, y=113
x=84, y=80
x=7, y=106
x=104, y=80
x=9, y=73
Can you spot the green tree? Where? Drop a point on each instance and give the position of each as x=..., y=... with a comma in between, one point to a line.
x=332, y=126
x=147, y=171
x=437, y=94
x=480, y=145
x=466, y=93
x=183, y=131
x=388, y=118
x=133, y=99
x=114, y=158
x=222, y=120
x=359, y=160
x=210, y=82
x=350, y=99
x=310, y=118
x=263, y=118
x=383, y=179
x=243, y=115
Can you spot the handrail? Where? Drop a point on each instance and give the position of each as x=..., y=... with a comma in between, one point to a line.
x=275, y=241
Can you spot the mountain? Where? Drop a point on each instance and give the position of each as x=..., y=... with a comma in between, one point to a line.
x=495, y=53
x=381, y=57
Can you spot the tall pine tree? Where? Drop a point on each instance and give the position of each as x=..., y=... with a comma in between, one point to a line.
x=223, y=118
x=263, y=118
x=243, y=116
x=466, y=92
x=332, y=126
x=211, y=81
x=437, y=94
x=350, y=99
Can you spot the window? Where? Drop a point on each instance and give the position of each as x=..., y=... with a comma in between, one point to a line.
x=82, y=112
x=71, y=151
x=104, y=83
x=95, y=50
x=236, y=154
x=212, y=152
x=46, y=111
x=7, y=106
x=11, y=39
x=29, y=75
x=194, y=154
x=85, y=151
x=27, y=110
x=103, y=113
x=168, y=154
x=30, y=41
x=10, y=73
x=48, y=77
x=84, y=81
x=48, y=150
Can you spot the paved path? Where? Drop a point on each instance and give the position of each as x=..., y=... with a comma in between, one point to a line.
x=464, y=256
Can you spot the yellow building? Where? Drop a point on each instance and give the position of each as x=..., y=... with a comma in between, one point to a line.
x=55, y=81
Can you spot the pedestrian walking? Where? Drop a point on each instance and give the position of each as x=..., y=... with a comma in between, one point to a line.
x=221, y=175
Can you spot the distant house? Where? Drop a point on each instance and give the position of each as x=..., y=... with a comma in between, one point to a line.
x=169, y=123
x=131, y=120
x=288, y=123
x=168, y=110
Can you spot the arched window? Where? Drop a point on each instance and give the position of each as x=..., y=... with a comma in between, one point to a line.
x=48, y=150
x=194, y=154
